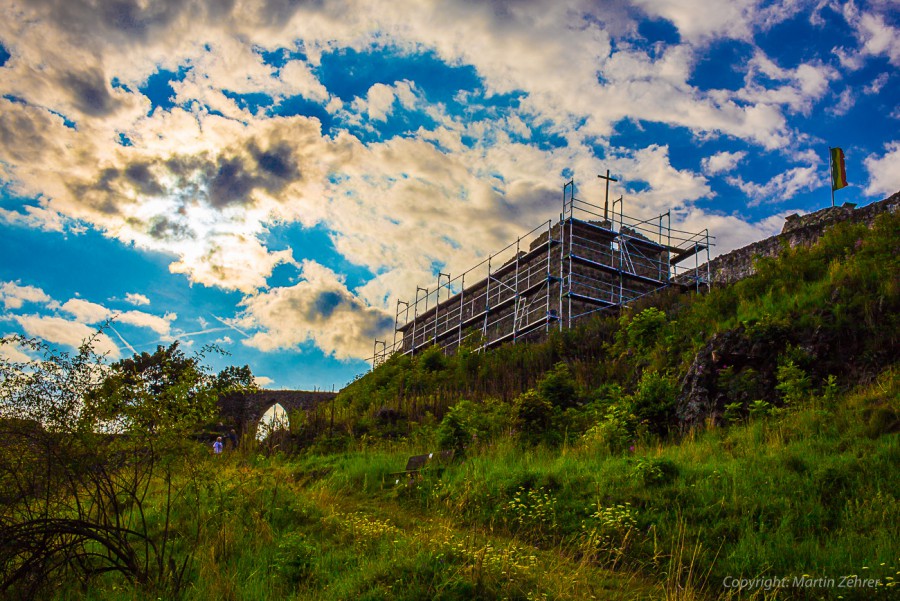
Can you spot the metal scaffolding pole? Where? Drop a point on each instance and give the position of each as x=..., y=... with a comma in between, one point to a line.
x=397, y=322
x=416, y=316
x=437, y=305
x=487, y=304
x=462, y=307
x=515, y=323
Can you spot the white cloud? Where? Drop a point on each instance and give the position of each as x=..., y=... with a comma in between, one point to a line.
x=845, y=103
x=803, y=85
x=884, y=171
x=69, y=333
x=160, y=325
x=722, y=162
x=699, y=21
x=874, y=35
x=86, y=311
x=877, y=84
x=36, y=217
x=263, y=381
x=783, y=186
x=319, y=309
x=92, y=313
x=136, y=299
x=14, y=295
x=12, y=352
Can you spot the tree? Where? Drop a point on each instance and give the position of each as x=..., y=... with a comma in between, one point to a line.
x=165, y=391
x=235, y=379
x=85, y=443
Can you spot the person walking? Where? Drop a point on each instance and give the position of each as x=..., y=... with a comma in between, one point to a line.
x=217, y=446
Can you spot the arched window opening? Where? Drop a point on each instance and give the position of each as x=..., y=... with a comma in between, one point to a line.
x=274, y=419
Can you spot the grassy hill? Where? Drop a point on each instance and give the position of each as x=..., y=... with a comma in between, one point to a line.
x=740, y=444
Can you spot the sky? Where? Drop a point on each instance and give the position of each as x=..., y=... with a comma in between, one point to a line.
x=271, y=177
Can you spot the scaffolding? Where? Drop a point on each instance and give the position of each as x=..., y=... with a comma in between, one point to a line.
x=552, y=277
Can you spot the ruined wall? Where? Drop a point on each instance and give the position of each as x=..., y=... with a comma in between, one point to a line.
x=798, y=231
x=525, y=291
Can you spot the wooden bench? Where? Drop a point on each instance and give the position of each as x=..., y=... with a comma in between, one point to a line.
x=413, y=465
x=416, y=463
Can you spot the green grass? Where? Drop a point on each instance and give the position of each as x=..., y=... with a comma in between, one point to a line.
x=585, y=486
x=811, y=491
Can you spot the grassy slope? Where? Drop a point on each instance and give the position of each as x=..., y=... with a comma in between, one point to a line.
x=809, y=489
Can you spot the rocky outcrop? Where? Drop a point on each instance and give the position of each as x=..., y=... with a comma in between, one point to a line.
x=741, y=366
x=728, y=357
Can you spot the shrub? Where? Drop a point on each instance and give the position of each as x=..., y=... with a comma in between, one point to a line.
x=654, y=401
x=455, y=431
x=532, y=512
x=609, y=533
x=432, y=359
x=616, y=431
x=642, y=332
x=793, y=382
x=558, y=387
x=534, y=415
x=655, y=472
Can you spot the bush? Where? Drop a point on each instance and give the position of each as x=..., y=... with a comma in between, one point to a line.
x=558, y=387
x=643, y=331
x=654, y=401
x=793, y=382
x=534, y=415
x=656, y=472
x=467, y=422
x=432, y=359
x=616, y=431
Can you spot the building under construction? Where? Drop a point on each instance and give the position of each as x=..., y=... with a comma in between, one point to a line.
x=591, y=260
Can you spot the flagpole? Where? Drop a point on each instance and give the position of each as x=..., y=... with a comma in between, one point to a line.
x=831, y=176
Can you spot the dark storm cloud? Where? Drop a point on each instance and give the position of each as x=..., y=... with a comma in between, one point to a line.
x=232, y=179
x=324, y=304
x=23, y=131
x=376, y=324
x=163, y=228
x=231, y=183
x=131, y=20
x=277, y=12
x=89, y=92
x=278, y=161
x=140, y=175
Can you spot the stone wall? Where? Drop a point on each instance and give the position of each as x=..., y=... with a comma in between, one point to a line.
x=798, y=231
x=524, y=292
x=241, y=410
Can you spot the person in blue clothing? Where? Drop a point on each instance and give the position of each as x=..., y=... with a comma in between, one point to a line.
x=217, y=446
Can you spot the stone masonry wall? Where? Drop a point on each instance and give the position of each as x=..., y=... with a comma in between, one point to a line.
x=798, y=231
x=593, y=242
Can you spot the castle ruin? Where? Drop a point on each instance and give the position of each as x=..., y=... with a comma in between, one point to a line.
x=592, y=259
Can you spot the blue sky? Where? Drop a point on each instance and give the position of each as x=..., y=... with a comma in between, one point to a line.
x=271, y=177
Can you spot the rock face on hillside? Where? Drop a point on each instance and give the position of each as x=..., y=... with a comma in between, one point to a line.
x=740, y=366
x=732, y=367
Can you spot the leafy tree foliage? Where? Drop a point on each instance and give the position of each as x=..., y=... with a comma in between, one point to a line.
x=85, y=443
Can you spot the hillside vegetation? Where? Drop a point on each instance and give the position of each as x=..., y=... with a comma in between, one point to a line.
x=665, y=453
